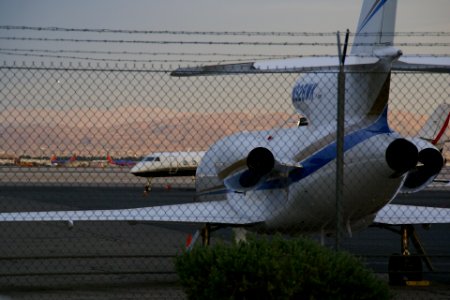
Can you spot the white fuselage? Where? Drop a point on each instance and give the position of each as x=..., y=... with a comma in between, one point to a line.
x=307, y=198
x=167, y=164
x=307, y=202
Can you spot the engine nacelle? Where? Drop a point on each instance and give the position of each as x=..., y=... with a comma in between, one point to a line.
x=260, y=162
x=401, y=156
x=431, y=162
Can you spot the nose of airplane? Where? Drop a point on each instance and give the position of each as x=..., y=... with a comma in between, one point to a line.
x=136, y=169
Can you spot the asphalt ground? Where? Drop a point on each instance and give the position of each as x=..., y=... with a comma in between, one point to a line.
x=121, y=260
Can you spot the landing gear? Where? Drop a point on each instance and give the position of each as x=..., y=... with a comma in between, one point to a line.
x=206, y=235
x=206, y=231
x=405, y=267
x=148, y=187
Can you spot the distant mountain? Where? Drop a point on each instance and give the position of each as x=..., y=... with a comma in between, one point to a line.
x=130, y=131
x=124, y=131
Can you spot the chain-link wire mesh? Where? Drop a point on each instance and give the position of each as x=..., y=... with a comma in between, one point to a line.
x=70, y=135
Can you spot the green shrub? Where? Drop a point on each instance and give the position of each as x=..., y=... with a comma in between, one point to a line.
x=276, y=269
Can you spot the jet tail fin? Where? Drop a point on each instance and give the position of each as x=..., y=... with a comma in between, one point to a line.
x=109, y=159
x=73, y=158
x=436, y=129
x=376, y=26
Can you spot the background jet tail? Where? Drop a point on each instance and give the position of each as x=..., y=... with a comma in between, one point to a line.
x=376, y=26
x=73, y=158
x=436, y=129
x=109, y=159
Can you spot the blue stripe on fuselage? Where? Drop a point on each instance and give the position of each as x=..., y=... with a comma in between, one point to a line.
x=328, y=154
x=371, y=14
x=322, y=157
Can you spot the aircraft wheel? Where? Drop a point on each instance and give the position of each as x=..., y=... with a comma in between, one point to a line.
x=404, y=268
x=147, y=190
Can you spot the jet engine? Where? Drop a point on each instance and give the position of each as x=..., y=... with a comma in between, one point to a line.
x=260, y=162
x=422, y=166
x=430, y=164
x=401, y=156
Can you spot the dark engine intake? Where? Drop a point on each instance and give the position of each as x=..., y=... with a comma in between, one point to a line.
x=431, y=163
x=402, y=156
x=260, y=162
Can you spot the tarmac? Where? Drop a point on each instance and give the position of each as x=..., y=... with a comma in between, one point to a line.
x=121, y=260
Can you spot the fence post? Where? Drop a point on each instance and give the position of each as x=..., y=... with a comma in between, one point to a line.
x=340, y=139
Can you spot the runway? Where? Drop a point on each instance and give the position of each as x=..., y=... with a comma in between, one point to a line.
x=137, y=259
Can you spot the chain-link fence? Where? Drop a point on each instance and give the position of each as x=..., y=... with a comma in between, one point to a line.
x=71, y=136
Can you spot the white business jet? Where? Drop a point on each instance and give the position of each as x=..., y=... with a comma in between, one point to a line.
x=167, y=164
x=288, y=181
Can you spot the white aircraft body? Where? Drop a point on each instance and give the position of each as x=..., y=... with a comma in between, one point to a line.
x=288, y=181
x=167, y=164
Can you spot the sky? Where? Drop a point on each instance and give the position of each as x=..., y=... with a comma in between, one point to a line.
x=202, y=15
x=254, y=15
x=316, y=16
x=194, y=15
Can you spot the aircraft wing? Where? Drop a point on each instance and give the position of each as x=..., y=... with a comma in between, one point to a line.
x=436, y=64
x=290, y=65
x=439, y=64
x=395, y=214
x=219, y=212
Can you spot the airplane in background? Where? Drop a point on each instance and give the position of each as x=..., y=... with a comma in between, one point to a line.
x=435, y=128
x=288, y=181
x=167, y=164
x=441, y=132
x=120, y=162
x=54, y=161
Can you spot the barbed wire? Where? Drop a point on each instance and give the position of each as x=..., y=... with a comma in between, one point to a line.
x=168, y=32
x=219, y=33
x=200, y=55
x=223, y=54
x=224, y=43
x=237, y=57
x=88, y=67
x=125, y=59
x=161, y=42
